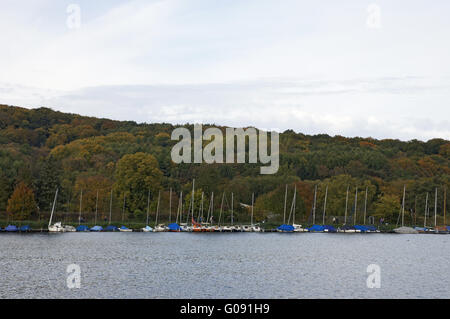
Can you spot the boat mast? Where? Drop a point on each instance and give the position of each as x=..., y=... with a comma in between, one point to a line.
x=81, y=200
x=346, y=206
x=157, y=207
x=110, y=207
x=170, y=205
x=295, y=197
x=212, y=208
x=285, y=199
x=426, y=211
x=435, y=207
x=96, y=209
x=445, y=203
x=325, y=206
x=53, y=208
x=403, y=205
x=221, y=208
x=192, y=200
x=365, y=206
x=253, y=199
x=314, y=205
x=148, y=204
x=356, y=203
x=232, y=208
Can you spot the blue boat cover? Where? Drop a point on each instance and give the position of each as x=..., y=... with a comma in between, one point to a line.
x=174, y=227
x=286, y=228
x=123, y=227
x=371, y=227
x=11, y=228
x=448, y=228
x=25, y=228
x=82, y=228
x=362, y=228
x=111, y=228
x=316, y=228
x=96, y=228
x=329, y=228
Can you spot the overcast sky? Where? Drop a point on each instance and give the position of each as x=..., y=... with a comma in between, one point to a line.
x=350, y=67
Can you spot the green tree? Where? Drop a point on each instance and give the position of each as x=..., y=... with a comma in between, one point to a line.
x=135, y=175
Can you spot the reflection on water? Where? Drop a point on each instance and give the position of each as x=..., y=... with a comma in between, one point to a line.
x=181, y=265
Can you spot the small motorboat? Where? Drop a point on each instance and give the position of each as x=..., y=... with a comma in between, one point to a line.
x=25, y=229
x=285, y=228
x=346, y=229
x=81, y=228
x=111, y=228
x=147, y=229
x=11, y=228
x=405, y=230
x=125, y=229
x=96, y=229
x=298, y=228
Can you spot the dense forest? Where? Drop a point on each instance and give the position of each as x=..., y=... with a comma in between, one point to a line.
x=95, y=162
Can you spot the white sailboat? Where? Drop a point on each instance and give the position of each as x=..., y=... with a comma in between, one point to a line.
x=404, y=229
x=58, y=227
x=147, y=228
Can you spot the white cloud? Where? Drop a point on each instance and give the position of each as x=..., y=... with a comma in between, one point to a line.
x=315, y=68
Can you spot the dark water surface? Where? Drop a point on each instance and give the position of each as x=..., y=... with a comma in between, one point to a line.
x=239, y=265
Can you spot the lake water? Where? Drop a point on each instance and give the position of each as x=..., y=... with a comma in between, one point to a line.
x=238, y=265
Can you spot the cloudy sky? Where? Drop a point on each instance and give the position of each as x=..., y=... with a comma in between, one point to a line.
x=350, y=67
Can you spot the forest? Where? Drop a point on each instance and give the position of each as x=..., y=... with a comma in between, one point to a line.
x=100, y=163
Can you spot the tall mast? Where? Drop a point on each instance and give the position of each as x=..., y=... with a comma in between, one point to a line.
x=346, y=206
x=253, y=199
x=212, y=208
x=435, y=207
x=221, y=208
x=295, y=197
x=285, y=199
x=403, y=205
x=365, y=206
x=170, y=205
x=232, y=208
x=110, y=207
x=53, y=208
x=192, y=200
x=426, y=211
x=81, y=200
x=324, y=206
x=148, y=204
x=157, y=208
x=445, y=203
x=314, y=205
x=96, y=209
x=200, y=211
x=356, y=204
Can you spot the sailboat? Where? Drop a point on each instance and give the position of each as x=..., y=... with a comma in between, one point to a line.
x=404, y=229
x=346, y=228
x=254, y=228
x=58, y=227
x=147, y=228
x=315, y=228
x=96, y=228
x=174, y=227
x=158, y=227
x=284, y=228
x=438, y=229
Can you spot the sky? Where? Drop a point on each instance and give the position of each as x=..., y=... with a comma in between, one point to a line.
x=354, y=68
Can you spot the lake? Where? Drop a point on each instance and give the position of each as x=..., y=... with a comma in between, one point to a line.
x=214, y=265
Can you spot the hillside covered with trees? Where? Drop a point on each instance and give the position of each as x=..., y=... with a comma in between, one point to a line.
x=42, y=150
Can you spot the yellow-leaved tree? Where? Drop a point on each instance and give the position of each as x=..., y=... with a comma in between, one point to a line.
x=21, y=204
